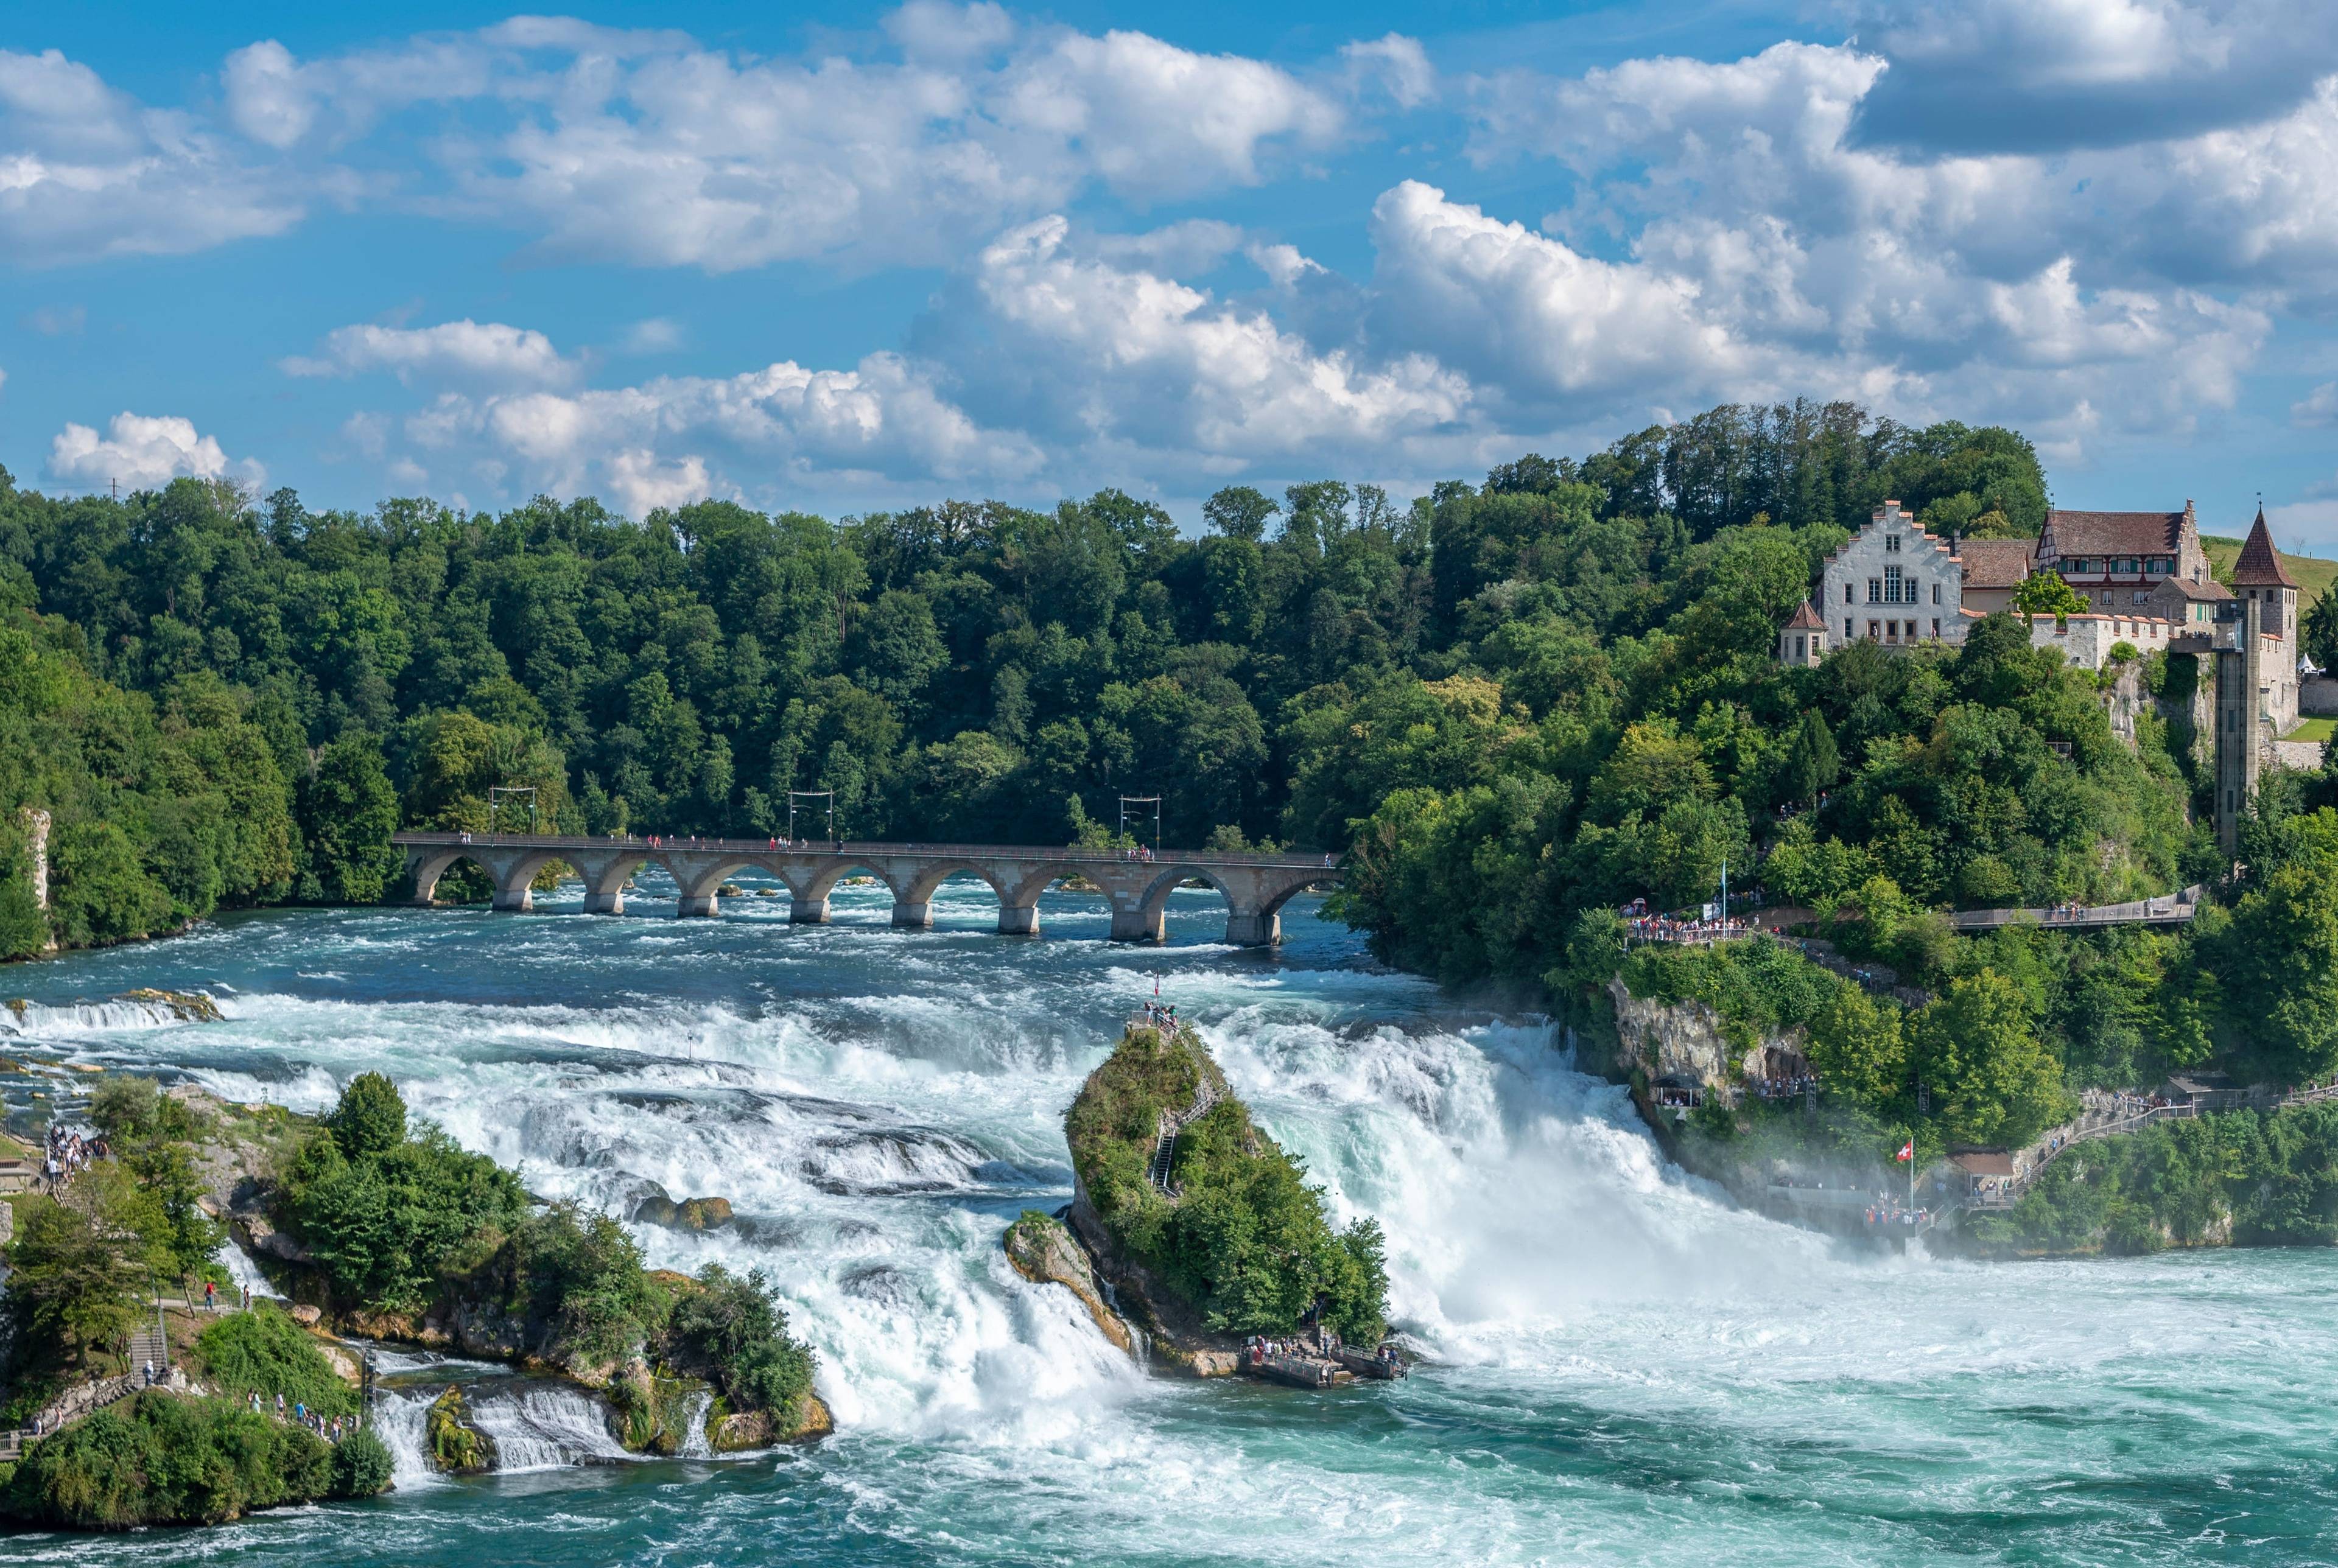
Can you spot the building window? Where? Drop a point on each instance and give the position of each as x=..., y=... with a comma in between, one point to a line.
x=1846, y=597
x=1892, y=585
x=1797, y=647
x=1936, y=592
x=2125, y=564
x=2142, y=598
x=1875, y=630
x=1846, y=620
x=1875, y=590
x=1891, y=543
x=1936, y=628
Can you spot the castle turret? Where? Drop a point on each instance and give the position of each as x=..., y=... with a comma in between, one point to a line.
x=1801, y=641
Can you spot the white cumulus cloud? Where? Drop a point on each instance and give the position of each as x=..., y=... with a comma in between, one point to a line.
x=473, y=350
x=86, y=171
x=141, y=451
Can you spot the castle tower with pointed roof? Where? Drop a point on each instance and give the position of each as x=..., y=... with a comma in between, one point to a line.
x=1801, y=641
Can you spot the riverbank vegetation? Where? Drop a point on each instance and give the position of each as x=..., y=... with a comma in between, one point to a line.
x=387, y=1228
x=2249, y=1178
x=410, y=1235
x=160, y=1459
x=1248, y=1244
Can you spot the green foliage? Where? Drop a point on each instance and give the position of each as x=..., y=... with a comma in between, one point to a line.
x=370, y=1119
x=349, y=808
x=2046, y=594
x=264, y=1352
x=2243, y=1176
x=159, y=1459
x=362, y=1465
x=1992, y=1081
x=76, y=1284
x=1248, y=1244
x=2278, y=959
x=579, y=1274
x=385, y=1225
x=733, y=1331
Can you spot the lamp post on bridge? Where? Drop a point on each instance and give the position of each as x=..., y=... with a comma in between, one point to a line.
x=826, y=795
x=1152, y=800
x=526, y=789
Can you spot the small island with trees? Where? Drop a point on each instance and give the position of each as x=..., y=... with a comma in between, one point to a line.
x=1203, y=1229
x=374, y=1228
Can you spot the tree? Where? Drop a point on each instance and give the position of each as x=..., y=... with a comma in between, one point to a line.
x=73, y=1282
x=2279, y=960
x=1810, y=763
x=1240, y=512
x=371, y=1119
x=1991, y=1080
x=348, y=811
x=2046, y=594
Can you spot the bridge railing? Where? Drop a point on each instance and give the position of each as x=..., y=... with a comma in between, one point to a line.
x=1050, y=853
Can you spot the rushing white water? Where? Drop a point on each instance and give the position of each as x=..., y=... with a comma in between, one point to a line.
x=400, y=1418
x=240, y=1270
x=544, y=1426
x=695, y=1443
x=1623, y=1367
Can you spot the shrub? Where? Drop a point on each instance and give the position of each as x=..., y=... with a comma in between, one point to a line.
x=384, y=1225
x=161, y=1459
x=362, y=1466
x=371, y=1119
x=264, y=1352
x=733, y=1331
x=579, y=1274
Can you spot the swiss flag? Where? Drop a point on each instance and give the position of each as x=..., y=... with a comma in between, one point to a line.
x=1907, y=1150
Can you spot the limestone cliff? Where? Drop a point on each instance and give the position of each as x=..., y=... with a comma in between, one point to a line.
x=1044, y=1252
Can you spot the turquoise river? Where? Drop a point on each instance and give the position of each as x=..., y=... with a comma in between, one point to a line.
x=1619, y=1367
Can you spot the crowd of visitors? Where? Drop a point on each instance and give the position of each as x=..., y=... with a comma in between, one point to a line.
x=1786, y=1088
x=70, y=1153
x=299, y=1414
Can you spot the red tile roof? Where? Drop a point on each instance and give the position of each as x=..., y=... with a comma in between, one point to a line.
x=2211, y=590
x=1997, y=563
x=2116, y=533
x=2260, y=563
x=1806, y=619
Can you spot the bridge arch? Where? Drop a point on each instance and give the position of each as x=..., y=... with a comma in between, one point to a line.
x=811, y=905
x=1254, y=896
x=510, y=870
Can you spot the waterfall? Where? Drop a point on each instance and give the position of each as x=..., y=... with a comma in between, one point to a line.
x=242, y=1271
x=694, y=1445
x=401, y=1421
x=1140, y=1343
x=544, y=1426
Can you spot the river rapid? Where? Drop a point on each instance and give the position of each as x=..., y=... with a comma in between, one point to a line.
x=1619, y=1366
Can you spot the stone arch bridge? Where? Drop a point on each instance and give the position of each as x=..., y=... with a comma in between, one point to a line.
x=1254, y=886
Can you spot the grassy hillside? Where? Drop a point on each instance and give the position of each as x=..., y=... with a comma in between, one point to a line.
x=2313, y=575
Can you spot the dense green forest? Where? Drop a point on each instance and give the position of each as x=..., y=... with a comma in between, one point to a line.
x=225, y=700
x=1517, y=703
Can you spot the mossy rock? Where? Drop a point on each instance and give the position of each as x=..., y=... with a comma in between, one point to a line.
x=187, y=1006
x=733, y=1433
x=456, y=1445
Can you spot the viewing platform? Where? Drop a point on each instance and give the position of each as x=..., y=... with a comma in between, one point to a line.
x=1136, y=884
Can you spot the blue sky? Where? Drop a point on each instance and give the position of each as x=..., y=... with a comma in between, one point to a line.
x=835, y=258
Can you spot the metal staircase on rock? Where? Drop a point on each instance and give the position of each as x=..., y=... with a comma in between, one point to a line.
x=1171, y=1123
x=147, y=1344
